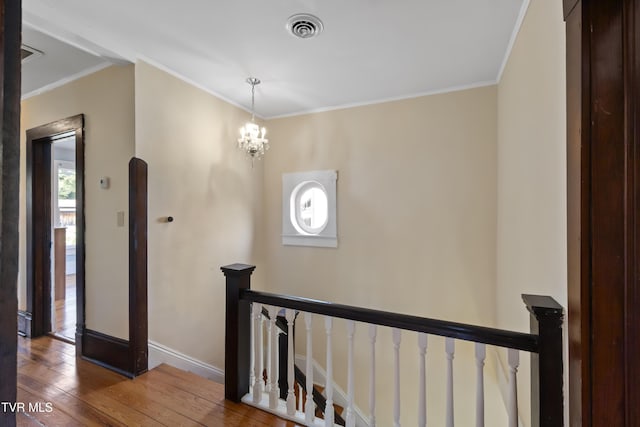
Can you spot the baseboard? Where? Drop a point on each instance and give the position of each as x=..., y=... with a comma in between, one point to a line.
x=107, y=351
x=24, y=323
x=158, y=354
x=339, y=395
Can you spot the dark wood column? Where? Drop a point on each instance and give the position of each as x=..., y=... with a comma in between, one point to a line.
x=138, y=310
x=10, y=26
x=603, y=153
x=237, y=332
x=547, y=403
x=578, y=320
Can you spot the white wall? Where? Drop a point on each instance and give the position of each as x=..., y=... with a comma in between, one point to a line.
x=198, y=176
x=106, y=98
x=532, y=233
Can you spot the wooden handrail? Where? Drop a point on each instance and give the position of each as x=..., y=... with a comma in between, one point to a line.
x=498, y=337
x=544, y=341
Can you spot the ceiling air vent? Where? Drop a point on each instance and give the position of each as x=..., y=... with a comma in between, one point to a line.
x=27, y=53
x=304, y=25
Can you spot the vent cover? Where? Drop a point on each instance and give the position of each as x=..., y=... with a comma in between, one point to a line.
x=304, y=25
x=24, y=54
x=27, y=53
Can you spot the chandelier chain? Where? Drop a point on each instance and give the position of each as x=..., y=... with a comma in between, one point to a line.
x=253, y=110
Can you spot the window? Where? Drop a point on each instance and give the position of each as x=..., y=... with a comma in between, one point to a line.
x=309, y=209
x=64, y=206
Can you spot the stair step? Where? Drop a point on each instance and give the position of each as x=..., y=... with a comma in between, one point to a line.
x=301, y=400
x=337, y=408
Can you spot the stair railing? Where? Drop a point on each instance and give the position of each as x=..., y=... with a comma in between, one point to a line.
x=244, y=307
x=300, y=378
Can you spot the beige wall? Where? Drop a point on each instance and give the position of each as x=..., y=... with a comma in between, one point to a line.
x=416, y=197
x=198, y=176
x=449, y=206
x=531, y=239
x=106, y=98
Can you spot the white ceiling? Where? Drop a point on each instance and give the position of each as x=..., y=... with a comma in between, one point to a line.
x=59, y=62
x=370, y=50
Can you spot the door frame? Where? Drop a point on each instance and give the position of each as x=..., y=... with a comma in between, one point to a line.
x=603, y=189
x=10, y=24
x=38, y=218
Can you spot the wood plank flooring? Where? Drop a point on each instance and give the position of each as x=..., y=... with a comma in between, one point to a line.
x=82, y=394
x=66, y=311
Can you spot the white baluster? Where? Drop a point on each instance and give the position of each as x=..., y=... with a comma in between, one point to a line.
x=328, y=412
x=514, y=362
x=372, y=377
x=481, y=353
x=257, y=355
x=252, y=350
x=267, y=387
x=396, y=391
x=350, y=420
x=274, y=393
x=422, y=395
x=291, y=396
x=310, y=407
x=450, y=350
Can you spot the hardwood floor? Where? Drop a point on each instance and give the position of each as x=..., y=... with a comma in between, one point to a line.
x=66, y=311
x=74, y=392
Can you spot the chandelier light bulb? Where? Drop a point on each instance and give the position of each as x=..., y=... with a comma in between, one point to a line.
x=252, y=138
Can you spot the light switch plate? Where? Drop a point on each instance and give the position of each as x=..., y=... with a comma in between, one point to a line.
x=120, y=218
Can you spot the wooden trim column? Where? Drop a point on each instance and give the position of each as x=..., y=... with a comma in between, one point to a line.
x=10, y=26
x=138, y=312
x=632, y=212
x=578, y=214
x=80, y=234
x=603, y=202
x=547, y=401
x=39, y=237
x=237, y=332
x=130, y=358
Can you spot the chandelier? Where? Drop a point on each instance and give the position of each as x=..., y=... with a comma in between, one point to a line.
x=252, y=140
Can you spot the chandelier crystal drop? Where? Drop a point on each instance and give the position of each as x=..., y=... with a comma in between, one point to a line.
x=252, y=137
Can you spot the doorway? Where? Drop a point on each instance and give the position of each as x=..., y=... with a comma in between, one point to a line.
x=63, y=296
x=55, y=229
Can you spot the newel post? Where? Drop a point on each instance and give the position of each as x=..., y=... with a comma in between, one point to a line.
x=546, y=365
x=237, y=358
